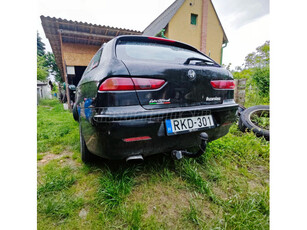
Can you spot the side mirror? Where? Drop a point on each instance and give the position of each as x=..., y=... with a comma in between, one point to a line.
x=72, y=87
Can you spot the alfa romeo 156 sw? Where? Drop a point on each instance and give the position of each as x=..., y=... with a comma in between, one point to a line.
x=141, y=96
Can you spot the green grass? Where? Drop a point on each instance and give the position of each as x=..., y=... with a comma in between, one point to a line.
x=190, y=171
x=194, y=215
x=114, y=187
x=134, y=216
x=250, y=212
x=59, y=206
x=55, y=178
x=56, y=130
x=225, y=188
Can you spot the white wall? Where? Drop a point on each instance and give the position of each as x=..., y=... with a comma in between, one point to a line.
x=44, y=91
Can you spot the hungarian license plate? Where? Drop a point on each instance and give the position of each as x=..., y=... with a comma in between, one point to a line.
x=188, y=124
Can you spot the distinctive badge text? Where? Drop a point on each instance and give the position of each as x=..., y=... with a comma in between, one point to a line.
x=213, y=98
x=159, y=101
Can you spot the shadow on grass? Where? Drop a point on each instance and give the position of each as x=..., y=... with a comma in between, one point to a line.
x=152, y=163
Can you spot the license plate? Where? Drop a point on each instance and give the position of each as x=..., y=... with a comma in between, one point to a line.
x=188, y=124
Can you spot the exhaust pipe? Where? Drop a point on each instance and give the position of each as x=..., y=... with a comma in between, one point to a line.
x=134, y=158
x=178, y=154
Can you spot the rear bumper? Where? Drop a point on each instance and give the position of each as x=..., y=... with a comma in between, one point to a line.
x=111, y=114
x=105, y=131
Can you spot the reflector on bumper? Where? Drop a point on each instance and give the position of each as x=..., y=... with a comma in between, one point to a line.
x=132, y=139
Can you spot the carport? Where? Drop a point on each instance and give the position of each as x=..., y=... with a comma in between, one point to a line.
x=75, y=43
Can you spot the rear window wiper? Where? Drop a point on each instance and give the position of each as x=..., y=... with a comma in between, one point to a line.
x=203, y=61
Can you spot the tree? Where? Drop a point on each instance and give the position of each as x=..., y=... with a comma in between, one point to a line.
x=40, y=46
x=260, y=58
x=53, y=67
x=238, y=68
x=227, y=67
x=245, y=73
x=42, y=70
x=46, y=62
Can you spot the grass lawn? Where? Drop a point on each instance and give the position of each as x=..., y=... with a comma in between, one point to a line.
x=226, y=188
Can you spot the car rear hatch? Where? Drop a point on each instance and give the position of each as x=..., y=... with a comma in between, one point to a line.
x=188, y=74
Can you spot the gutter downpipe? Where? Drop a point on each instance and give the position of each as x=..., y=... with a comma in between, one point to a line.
x=222, y=52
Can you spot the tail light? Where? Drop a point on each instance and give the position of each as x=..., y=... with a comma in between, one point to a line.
x=117, y=84
x=146, y=83
x=223, y=84
x=123, y=83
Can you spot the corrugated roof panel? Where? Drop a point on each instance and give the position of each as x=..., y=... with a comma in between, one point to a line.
x=52, y=25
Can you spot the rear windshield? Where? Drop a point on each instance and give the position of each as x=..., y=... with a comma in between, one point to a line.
x=147, y=51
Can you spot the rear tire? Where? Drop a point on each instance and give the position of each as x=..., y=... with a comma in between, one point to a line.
x=86, y=155
x=245, y=122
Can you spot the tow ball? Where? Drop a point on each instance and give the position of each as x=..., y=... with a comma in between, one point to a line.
x=179, y=154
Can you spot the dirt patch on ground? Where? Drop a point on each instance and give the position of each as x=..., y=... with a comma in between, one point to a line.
x=166, y=203
x=70, y=162
x=220, y=193
x=65, y=157
x=263, y=175
x=163, y=202
x=87, y=186
x=254, y=184
x=47, y=158
x=262, y=170
x=46, y=106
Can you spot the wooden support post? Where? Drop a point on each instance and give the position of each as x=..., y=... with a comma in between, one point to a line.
x=239, y=92
x=65, y=74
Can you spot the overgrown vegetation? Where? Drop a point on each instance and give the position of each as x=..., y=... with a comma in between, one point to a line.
x=226, y=188
x=261, y=119
x=261, y=77
x=46, y=63
x=256, y=69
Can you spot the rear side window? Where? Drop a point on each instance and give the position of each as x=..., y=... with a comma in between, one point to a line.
x=94, y=62
x=147, y=51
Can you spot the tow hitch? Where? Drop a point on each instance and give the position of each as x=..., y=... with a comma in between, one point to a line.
x=178, y=154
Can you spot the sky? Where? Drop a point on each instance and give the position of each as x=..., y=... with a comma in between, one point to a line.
x=246, y=22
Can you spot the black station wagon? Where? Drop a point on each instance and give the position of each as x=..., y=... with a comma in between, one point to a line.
x=146, y=95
